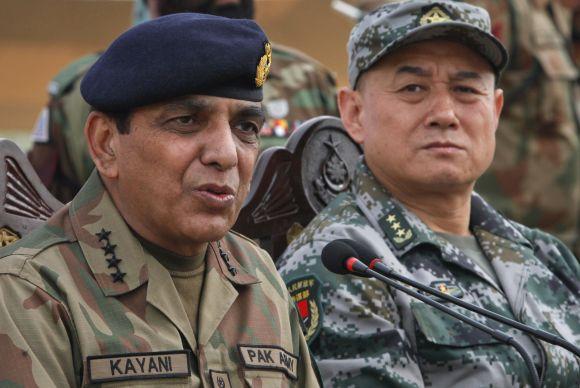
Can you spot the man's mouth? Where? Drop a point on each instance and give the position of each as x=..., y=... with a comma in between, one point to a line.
x=216, y=195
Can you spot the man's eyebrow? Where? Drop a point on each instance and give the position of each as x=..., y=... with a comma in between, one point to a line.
x=251, y=111
x=416, y=70
x=464, y=74
x=188, y=104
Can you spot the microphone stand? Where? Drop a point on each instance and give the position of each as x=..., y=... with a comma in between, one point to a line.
x=355, y=265
x=377, y=265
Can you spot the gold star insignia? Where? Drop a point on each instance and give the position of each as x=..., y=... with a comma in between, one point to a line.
x=396, y=226
x=400, y=232
x=7, y=237
x=434, y=15
x=391, y=218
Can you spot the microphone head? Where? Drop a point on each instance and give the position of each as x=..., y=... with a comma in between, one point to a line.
x=362, y=252
x=335, y=257
x=335, y=254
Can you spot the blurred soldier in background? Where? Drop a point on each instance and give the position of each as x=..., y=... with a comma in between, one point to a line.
x=535, y=175
x=297, y=89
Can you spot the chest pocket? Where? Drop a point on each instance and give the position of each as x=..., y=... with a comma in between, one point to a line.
x=270, y=379
x=439, y=328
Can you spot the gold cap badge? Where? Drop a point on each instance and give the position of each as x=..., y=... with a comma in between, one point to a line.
x=434, y=15
x=263, y=68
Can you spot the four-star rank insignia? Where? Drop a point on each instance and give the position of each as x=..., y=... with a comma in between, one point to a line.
x=263, y=68
x=434, y=15
x=305, y=292
x=397, y=229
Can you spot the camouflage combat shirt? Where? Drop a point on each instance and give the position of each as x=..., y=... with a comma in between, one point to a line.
x=298, y=88
x=83, y=304
x=365, y=334
x=535, y=176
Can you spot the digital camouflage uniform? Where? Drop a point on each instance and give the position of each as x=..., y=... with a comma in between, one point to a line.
x=82, y=301
x=535, y=176
x=298, y=88
x=366, y=334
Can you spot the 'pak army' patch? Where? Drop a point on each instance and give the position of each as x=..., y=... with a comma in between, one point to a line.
x=305, y=292
x=397, y=229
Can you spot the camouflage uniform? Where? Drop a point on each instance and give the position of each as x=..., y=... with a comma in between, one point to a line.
x=83, y=303
x=366, y=334
x=535, y=175
x=298, y=88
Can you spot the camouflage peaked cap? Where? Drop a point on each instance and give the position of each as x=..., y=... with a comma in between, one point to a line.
x=397, y=24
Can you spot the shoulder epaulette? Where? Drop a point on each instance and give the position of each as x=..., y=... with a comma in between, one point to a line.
x=67, y=76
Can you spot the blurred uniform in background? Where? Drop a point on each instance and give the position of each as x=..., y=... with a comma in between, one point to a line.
x=298, y=88
x=535, y=175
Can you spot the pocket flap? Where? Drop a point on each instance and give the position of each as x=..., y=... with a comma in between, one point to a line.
x=443, y=329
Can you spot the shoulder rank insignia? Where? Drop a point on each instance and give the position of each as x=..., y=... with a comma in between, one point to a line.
x=263, y=68
x=305, y=292
x=434, y=15
x=446, y=287
x=397, y=229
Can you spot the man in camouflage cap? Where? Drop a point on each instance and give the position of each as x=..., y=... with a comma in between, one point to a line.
x=298, y=89
x=138, y=280
x=423, y=104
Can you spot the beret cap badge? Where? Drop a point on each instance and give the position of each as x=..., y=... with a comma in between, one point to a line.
x=434, y=15
x=263, y=68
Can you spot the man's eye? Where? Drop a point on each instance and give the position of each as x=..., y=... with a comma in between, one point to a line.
x=413, y=88
x=465, y=89
x=184, y=120
x=248, y=127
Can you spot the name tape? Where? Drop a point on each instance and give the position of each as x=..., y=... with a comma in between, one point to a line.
x=133, y=366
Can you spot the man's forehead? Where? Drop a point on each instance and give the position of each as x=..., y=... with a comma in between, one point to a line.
x=420, y=58
x=208, y=102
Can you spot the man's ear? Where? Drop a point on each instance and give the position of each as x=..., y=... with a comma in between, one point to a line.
x=498, y=102
x=349, y=104
x=103, y=142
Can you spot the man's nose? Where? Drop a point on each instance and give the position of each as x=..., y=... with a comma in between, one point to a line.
x=220, y=148
x=442, y=114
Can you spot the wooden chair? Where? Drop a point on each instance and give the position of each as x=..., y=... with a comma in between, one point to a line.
x=290, y=186
x=25, y=203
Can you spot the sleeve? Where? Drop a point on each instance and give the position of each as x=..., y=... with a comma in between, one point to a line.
x=352, y=324
x=34, y=339
x=308, y=374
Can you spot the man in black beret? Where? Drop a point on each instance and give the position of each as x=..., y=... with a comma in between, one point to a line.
x=139, y=280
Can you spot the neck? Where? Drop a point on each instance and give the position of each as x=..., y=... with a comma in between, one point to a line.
x=447, y=212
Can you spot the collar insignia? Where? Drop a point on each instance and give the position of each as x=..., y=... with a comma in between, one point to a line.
x=113, y=261
x=226, y=258
x=397, y=229
x=447, y=287
x=7, y=236
x=263, y=68
x=305, y=292
x=434, y=15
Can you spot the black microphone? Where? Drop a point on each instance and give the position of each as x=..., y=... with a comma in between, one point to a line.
x=344, y=261
x=369, y=258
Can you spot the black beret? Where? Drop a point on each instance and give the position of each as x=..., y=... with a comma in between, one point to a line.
x=178, y=55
